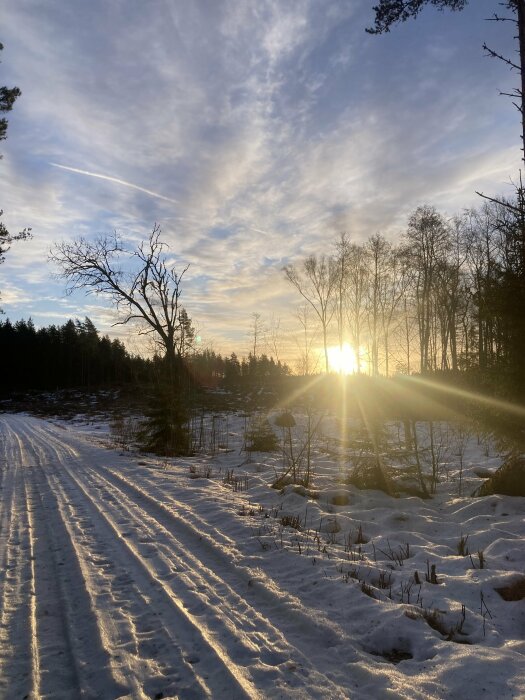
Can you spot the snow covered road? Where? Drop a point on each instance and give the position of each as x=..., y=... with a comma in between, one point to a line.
x=125, y=577
x=108, y=592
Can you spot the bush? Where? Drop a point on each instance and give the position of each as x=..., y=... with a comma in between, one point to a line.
x=369, y=473
x=123, y=431
x=260, y=436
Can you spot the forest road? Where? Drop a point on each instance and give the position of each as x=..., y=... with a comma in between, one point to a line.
x=111, y=589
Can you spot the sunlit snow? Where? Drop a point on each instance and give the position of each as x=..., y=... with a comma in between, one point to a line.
x=126, y=575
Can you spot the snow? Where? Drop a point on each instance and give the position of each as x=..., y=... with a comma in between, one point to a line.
x=123, y=575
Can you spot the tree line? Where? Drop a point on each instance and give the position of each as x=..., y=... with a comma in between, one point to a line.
x=75, y=355
x=449, y=296
x=244, y=375
x=62, y=357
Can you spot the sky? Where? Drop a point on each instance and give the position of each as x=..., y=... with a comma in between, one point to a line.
x=253, y=132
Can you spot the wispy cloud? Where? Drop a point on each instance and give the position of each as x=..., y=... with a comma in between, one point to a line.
x=253, y=131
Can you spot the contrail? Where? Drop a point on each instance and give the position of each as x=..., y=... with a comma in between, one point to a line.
x=258, y=230
x=115, y=179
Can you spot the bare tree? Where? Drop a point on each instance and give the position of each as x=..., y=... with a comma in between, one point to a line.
x=379, y=258
x=342, y=273
x=274, y=337
x=356, y=297
x=316, y=283
x=429, y=239
x=393, y=292
x=450, y=296
x=307, y=364
x=139, y=282
x=406, y=331
x=256, y=331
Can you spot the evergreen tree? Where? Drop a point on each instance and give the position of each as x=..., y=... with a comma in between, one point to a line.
x=8, y=96
x=166, y=428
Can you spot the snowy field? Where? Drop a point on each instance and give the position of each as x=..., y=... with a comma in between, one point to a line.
x=128, y=576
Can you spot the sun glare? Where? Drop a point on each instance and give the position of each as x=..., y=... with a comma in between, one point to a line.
x=342, y=360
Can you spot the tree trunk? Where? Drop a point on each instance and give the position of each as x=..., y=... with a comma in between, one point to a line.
x=325, y=344
x=521, y=38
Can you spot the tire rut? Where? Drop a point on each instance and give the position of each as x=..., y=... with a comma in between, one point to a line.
x=171, y=606
x=66, y=627
x=174, y=516
x=220, y=676
x=16, y=627
x=198, y=586
x=216, y=583
x=54, y=667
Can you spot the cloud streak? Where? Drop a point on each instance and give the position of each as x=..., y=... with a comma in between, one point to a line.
x=117, y=180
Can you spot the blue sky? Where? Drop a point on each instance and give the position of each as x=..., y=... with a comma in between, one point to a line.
x=253, y=131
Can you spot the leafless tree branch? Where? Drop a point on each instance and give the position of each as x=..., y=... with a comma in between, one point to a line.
x=149, y=292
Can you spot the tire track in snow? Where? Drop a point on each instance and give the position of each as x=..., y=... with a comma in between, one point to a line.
x=220, y=677
x=7, y=506
x=272, y=633
x=67, y=656
x=72, y=661
x=35, y=656
x=123, y=625
x=199, y=536
x=16, y=632
x=224, y=586
x=268, y=634
x=247, y=637
x=133, y=628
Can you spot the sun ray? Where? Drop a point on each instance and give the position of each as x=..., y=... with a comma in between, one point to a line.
x=489, y=401
x=299, y=392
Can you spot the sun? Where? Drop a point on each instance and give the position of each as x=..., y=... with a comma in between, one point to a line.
x=342, y=360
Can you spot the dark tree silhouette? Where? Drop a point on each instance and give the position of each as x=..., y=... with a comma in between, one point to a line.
x=8, y=96
x=511, y=281
x=143, y=287
x=390, y=12
x=63, y=357
x=316, y=281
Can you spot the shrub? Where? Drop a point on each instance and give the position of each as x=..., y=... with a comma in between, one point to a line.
x=369, y=473
x=260, y=437
x=123, y=431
